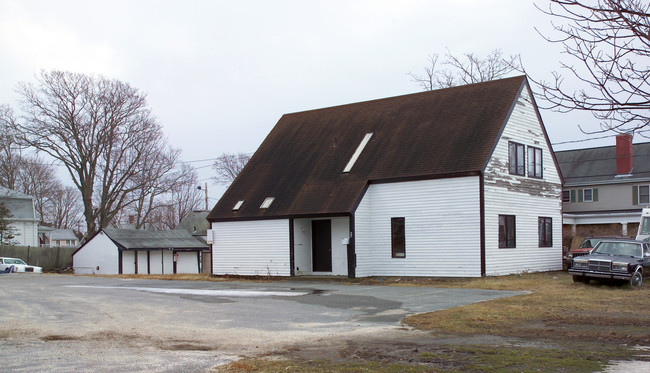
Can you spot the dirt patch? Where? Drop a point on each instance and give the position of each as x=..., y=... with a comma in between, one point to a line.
x=49, y=338
x=186, y=346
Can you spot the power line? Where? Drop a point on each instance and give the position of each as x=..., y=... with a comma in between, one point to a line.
x=583, y=140
x=593, y=138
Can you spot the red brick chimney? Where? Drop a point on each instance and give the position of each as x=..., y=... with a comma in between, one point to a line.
x=623, y=154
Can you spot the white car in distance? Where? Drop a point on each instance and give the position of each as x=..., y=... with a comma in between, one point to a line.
x=17, y=265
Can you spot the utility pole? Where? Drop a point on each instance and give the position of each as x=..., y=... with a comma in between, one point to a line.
x=206, y=195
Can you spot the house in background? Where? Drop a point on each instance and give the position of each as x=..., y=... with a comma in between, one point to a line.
x=197, y=224
x=63, y=238
x=605, y=188
x=454, y=182
x=133, y=251
x=24, y=219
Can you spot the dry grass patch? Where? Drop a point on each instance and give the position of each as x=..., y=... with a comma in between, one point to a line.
x=557, y=308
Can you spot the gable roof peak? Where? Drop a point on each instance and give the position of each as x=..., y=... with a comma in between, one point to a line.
x=429, y=134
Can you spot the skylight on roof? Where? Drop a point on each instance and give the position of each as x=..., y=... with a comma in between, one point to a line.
x=357, y=152
x=267, y=203
x=238, y=205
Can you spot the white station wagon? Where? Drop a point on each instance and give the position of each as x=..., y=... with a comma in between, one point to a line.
x=17, y=265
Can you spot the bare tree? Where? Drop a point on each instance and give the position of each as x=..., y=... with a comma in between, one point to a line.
x=7, y=230
x=100, y=130
x=65, y=209
x=185, y=197
x=466, y=69
x=177, y=188
x=11, y=161
x=181, y=200
x=610, y=42
x=228, y=166
x=38, y=179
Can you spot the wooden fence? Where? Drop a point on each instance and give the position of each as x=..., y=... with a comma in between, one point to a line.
x=50, y=258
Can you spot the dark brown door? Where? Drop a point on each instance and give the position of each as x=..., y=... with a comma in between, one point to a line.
x=321, y=245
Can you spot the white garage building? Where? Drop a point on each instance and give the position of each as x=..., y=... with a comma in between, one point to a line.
x=133, y=251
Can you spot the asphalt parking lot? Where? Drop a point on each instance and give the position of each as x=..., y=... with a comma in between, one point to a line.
x=66, y=323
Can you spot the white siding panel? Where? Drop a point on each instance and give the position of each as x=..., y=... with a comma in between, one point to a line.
x=188, y=262
x=302, y=240
x=128, y=262
x=525, y=197
x=168, y=261
x=302, y=246
x=155, y=261
x=442, y=222
x=100, y=252
x=142, y=262
x=253, y=248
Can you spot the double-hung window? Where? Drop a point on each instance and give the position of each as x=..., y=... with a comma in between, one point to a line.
x=516, y=158
x=545, y=230
x=507, y=237
x=644, y=194
x=534, y=162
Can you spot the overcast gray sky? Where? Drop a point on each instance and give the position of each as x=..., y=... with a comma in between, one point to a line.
x=219, y=74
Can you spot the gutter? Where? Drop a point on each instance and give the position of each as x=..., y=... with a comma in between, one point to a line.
x=602, y=218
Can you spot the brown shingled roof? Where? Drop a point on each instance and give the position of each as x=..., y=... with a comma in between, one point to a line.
x=424, y=135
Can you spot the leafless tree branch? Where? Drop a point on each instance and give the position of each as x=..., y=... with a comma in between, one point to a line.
x=465, y=69
x=609, y=40
x=101, y=131
x=228, y=166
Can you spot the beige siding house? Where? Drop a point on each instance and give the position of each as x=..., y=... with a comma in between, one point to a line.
x=605, y=188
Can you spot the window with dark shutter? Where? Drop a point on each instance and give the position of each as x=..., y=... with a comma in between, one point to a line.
x=566, y=196
x=644, y=194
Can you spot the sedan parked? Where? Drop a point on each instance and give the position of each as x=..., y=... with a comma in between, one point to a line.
x=627, y=260
x=17, y=265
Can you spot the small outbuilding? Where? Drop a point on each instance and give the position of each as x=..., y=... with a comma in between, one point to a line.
x=133, y=251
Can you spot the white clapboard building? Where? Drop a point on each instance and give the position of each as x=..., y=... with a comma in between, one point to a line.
x=453, y=182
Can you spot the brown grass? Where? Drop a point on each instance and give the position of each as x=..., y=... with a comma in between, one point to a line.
x=565, y=326
x=556, y=308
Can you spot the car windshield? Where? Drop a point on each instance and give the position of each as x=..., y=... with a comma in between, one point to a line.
x=619, y=248
x=15, y=261
x=645, y=226
x=589, y=243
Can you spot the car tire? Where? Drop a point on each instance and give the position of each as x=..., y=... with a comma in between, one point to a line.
x=636, y=281
x=577, y=278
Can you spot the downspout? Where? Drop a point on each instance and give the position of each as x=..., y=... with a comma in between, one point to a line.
x=352, y=257
x=482, y=218
x=292, y=254
x=119, y=264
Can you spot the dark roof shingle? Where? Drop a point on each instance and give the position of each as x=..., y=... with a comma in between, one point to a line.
x=598, y=165
x=428, y=134
x=141, y=239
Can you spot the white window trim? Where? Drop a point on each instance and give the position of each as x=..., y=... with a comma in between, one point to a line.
x=638, y=194
x=584, y=197
x=238, y=205
x=357, y=152
x=267, y=203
